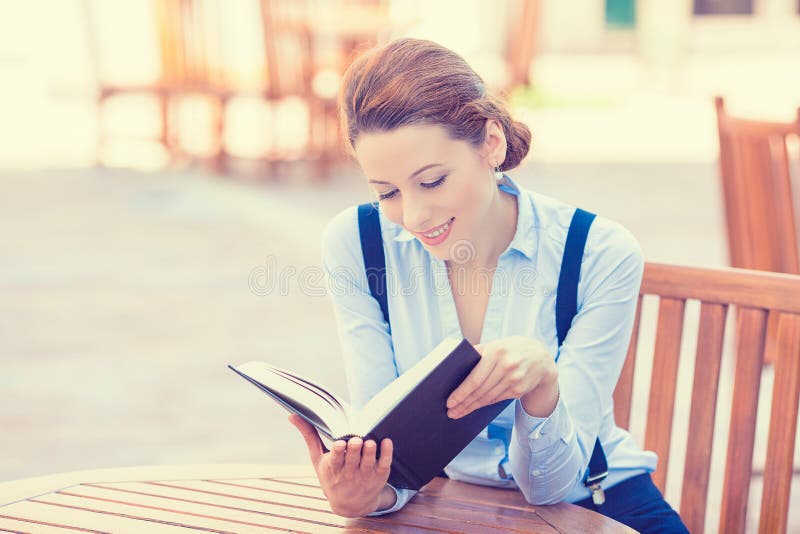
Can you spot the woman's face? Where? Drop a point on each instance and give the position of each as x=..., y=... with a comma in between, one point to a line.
x=437, y=188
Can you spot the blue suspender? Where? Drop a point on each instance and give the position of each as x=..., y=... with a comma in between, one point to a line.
x=566, y=309
x=369, y=228
x=566, y=303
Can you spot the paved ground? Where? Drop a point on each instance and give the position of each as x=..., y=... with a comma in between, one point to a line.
x=123, y=296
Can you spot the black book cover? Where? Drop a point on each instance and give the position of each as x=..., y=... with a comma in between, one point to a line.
x=425, y=439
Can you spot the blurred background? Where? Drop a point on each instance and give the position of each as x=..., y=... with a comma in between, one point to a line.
x=167, y=166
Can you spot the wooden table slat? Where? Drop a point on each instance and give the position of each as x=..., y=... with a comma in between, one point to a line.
x=190, y=496
x=508, y=518
x=151, y=515
x=238, y=511
x=91, y=521
x=29, y=525
x=289, y=486
x=258, y=489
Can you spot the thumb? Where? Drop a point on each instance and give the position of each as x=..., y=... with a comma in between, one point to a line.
x=479, y=348
x=310, y=436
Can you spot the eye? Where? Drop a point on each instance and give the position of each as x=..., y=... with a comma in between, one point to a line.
x=436, y=183
x=429, y=185
x=387, y=196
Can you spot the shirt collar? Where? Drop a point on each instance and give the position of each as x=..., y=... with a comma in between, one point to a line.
x=523, y=239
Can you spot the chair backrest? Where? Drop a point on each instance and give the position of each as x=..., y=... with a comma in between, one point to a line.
x=757, y=296
x=288, y=47
x=188, y=37
x=757, y=190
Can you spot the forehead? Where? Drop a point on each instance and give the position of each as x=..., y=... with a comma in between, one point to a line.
x=394, y=155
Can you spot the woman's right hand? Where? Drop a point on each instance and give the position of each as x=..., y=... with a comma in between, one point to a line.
x=350, y=475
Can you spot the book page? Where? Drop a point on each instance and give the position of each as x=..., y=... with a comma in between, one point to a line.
x=383, y=403
x=298, y=395
x=330, y=397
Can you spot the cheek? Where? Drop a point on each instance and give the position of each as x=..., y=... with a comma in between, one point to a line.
x=471, y=204
x=393, y=211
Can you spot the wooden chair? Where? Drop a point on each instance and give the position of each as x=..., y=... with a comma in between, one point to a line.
x=758, y=297
x=523, y=36
x=758, y=194
x=757, y=190
x=185, y=68
x=294, y=33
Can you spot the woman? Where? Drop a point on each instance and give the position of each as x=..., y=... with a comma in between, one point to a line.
x=470, y=253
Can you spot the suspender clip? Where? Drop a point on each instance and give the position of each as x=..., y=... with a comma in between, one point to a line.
x=598, y=496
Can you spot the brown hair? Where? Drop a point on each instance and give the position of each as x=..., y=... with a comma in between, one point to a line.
x=414, y=81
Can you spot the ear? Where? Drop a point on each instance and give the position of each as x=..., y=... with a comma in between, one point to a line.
x=494, y=144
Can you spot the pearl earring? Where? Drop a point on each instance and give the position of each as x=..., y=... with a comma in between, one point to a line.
x=497, y=173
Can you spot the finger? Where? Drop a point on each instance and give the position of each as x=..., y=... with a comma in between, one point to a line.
x=368, y=458
x=353, y=455
x=472, y=382
x=385, y=460
x=310, y=435
x=337, y=454
x=497, y=393
x=488, y=385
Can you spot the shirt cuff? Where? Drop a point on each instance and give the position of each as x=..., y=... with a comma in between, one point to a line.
x=402, y=495
x=539, y=433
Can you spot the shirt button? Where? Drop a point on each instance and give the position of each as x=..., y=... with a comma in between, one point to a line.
x=499, y=450
x=536, y=472
x=536, y=435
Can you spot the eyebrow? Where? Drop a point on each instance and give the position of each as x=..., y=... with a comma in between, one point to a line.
x=425, y=168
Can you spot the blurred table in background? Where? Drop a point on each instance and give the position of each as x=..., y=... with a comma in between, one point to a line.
x=251, y=498
x=251, y=82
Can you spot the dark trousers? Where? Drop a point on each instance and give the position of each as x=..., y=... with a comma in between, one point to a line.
x=638, y=503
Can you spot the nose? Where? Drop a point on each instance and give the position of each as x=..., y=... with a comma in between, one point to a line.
x=416, y=214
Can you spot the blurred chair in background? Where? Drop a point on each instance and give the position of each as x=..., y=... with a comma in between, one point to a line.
x=759, y=197
x=759, y=298
x=189, y=65
x=523, y=35
x=306, y=46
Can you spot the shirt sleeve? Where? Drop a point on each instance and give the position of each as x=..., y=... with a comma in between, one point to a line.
x=549, y=456
x=363, y=333
x=403, y=496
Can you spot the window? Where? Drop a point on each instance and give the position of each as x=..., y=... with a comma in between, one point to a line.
x=621, y=13
x=723, y=7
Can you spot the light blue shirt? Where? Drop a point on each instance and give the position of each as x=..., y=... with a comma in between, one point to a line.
x=546, y=458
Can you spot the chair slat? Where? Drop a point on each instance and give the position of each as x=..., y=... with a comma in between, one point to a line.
x=757, y=199
x=662, y=391
x=623, y=393
x=788, y=246
x=753, y=289
x=701, y=422
x=739, y=463
x=783, y=426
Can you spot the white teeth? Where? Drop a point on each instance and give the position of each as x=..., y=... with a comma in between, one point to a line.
x=438, y=232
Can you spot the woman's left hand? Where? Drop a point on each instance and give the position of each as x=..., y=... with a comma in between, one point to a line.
x=511, y=368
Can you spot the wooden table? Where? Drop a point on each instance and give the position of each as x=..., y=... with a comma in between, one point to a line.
x=259, y=498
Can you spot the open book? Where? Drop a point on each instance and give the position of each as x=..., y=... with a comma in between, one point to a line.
x=411, y=410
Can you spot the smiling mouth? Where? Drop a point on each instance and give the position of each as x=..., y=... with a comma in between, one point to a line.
x=439, y=230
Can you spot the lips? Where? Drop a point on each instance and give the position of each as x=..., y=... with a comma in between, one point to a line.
x=441, y=233
x=435, y=228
